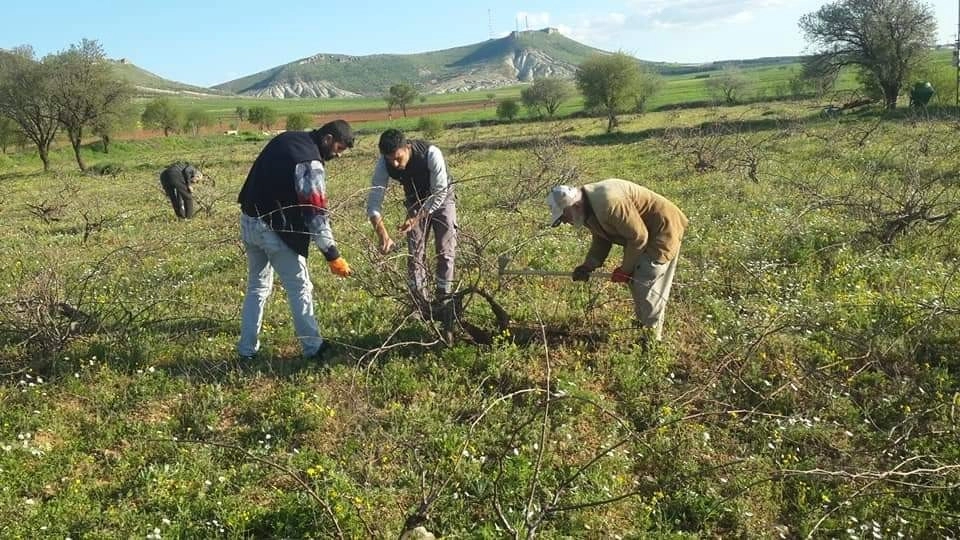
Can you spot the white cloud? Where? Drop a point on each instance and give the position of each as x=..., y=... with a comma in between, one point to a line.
x=639, y=15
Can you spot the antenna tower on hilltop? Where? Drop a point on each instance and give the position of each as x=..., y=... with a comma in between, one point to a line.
x=489, y=23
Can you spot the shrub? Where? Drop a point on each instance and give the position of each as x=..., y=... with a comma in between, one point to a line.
x=508, y=109
x=298, y=121
x=430, y=127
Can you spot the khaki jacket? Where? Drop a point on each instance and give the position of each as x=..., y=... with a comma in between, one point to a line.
x=634, y=217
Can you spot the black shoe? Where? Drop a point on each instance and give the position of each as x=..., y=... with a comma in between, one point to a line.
x=321, y=352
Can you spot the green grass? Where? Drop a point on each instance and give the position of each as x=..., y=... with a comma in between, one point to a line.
x=808, y=384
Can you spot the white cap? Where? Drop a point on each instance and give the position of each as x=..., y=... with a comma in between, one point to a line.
x=559, y=198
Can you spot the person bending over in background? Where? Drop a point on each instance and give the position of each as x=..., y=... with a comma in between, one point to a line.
x=177, y=181
x=647, y=225
x=283, y=204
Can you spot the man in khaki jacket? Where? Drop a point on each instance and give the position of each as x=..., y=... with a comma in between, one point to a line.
x=647, y=225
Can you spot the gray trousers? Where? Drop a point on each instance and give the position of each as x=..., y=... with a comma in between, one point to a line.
x=650, y=287
x=443, y=223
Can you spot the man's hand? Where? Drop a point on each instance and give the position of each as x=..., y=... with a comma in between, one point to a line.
x=408, y=224
x=619, y=276
x=582, y=273
x=340, y=267
x=386, y=244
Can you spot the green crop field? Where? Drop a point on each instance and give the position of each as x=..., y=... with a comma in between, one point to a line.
x=808, y=384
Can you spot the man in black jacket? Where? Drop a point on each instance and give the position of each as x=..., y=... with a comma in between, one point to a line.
x=284, y=205
x=428, y=197
x=177, y=181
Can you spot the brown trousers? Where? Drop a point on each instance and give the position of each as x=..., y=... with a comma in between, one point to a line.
x=443, y=223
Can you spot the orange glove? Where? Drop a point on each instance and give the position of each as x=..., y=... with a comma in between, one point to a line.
x=619, y=276
x=340, y=267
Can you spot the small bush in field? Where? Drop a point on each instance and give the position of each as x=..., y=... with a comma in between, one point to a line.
x=298, y=121
x=430, y=127
x=508, y=109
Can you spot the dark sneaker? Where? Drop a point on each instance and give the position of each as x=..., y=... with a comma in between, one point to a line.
x=321, y=353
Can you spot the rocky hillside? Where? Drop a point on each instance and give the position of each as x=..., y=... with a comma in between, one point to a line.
x=518, y=57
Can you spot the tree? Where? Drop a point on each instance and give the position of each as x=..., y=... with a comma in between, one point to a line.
x=241, y=112
x=650, y=84
x=262, y=116
x=400, y=95
x=728, y=85
x=544, y=96
x=508, y=109
x=119, y=119
x=610, y=83
x=885, y=39
x=84, y=88
x=162, y=113
x=298, y=121
x=197, y=119
x=25, y=98
x=8, y=133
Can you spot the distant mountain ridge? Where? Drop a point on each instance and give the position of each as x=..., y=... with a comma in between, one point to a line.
x=518, y=57
x=521, y=56
x=147, y=83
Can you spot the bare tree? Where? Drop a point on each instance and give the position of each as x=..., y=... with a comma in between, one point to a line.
x=84, y=90
x=25, y=97
x=886, y=39
x=728, y=85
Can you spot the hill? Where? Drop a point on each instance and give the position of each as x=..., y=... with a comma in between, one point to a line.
x=518, y=57
x=150, y=84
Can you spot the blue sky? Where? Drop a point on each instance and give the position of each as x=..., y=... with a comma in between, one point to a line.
x=209, y=42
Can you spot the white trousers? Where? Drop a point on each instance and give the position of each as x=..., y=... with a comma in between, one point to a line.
x=651, y=289
x=266, y=252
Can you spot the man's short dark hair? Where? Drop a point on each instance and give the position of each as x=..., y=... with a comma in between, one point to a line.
x=340, y=130
x=391, y=140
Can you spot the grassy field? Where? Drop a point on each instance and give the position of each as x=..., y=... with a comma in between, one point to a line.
x=808, y=385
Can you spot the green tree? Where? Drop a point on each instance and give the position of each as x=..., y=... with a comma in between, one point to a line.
x=162, y=113
x=400, y=95
x=885, y=39
x=115, y=121
x=508, y=109
x=25, y=97
x=544, y=96
x=298, y=121
x=241, y=113
x=196, y=119
x=84, y=88
x=609, y=83
x=728, y=85
x=8, y=133
x=650, y=85
x=262, y=116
